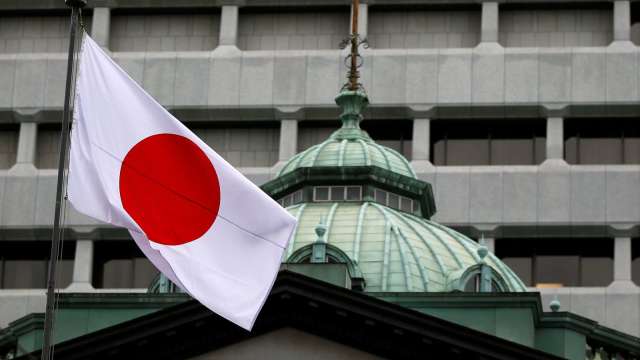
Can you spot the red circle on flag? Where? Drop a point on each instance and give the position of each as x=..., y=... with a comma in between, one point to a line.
x=170, y=188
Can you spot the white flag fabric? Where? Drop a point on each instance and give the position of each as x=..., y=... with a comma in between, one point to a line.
x=200, y=222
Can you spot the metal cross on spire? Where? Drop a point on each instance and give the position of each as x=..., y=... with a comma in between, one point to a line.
x=354, y=60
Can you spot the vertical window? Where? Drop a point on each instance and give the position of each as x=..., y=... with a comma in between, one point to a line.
x=24, y=264
x=121, y=264
x=47, y=145
x=406, y=204
x=314, y=132
x=394, y=201
x=557, y=262
x=635, y=260
x=321, y=193
x=488, y=142
x=635, y=23
x=291, y=199
x=354, y=193
x=394, y=134
x=337, y=193
x=602, y=141
x=8, y=146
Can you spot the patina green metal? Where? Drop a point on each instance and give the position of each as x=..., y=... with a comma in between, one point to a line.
x=307, y=177
x=350, y=145
x=395, y=250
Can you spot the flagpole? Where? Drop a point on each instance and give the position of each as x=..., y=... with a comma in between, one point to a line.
x=75, y=6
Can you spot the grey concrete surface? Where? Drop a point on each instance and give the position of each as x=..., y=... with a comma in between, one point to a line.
x=556, y=27
x=447, y=77
x=229, y=25
x=288, y=139
x=621, y=20
x=489, y=24
x=101, y=26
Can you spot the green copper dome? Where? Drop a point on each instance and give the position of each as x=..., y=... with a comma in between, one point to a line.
x=396, y=251
x=350, y=145
x=361, y=204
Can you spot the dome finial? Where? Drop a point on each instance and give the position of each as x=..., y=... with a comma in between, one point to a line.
x=482, y=250
x=319, y=248
x=321, y=229
x=354, y=60
x=554, y=305
x=352, y=98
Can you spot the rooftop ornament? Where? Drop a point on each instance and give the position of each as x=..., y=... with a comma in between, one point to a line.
x=554, y=305
x=319, y=248
x=485, y=270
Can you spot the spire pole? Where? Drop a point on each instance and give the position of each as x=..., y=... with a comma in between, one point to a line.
x=353, y=71
x=47, y=349
x=352, y=97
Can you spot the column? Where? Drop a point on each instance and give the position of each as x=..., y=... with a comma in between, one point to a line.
x=555, y=138
x=229, y=25
x=101, y=26
x=490, y=243
x=288, y=139
x=421, y=144
x=621, y=20
x=27, y=139
x=82, y=266
x=363, y=20
x=489, y=24
x=622, y=259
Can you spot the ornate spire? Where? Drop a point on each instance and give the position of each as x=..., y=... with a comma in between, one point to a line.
x=352, y=98
x=354, y=59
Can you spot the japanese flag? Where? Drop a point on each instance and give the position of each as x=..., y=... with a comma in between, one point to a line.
x=200, y=222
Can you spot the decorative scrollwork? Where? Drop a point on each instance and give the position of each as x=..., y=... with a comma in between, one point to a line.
x=348, y=41
x=353, y=61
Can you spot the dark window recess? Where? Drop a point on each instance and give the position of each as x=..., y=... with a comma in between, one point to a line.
x=635, y=22
x=602, y=141
x=635, y=260
x=553, y=262
x=488, y=142
x=24, y=264
x=474, y=284
x=121, y=264
x=394, y=134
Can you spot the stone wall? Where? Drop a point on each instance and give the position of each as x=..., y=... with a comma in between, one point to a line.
x=35, y=34
x=292, y=31
x=156, y=32
x=561, y=28
x=423, y=29
x=244, y=147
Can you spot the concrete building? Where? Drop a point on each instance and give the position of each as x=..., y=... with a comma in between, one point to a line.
x=521, y=115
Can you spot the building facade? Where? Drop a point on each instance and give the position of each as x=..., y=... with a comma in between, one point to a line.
x=522, y=116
